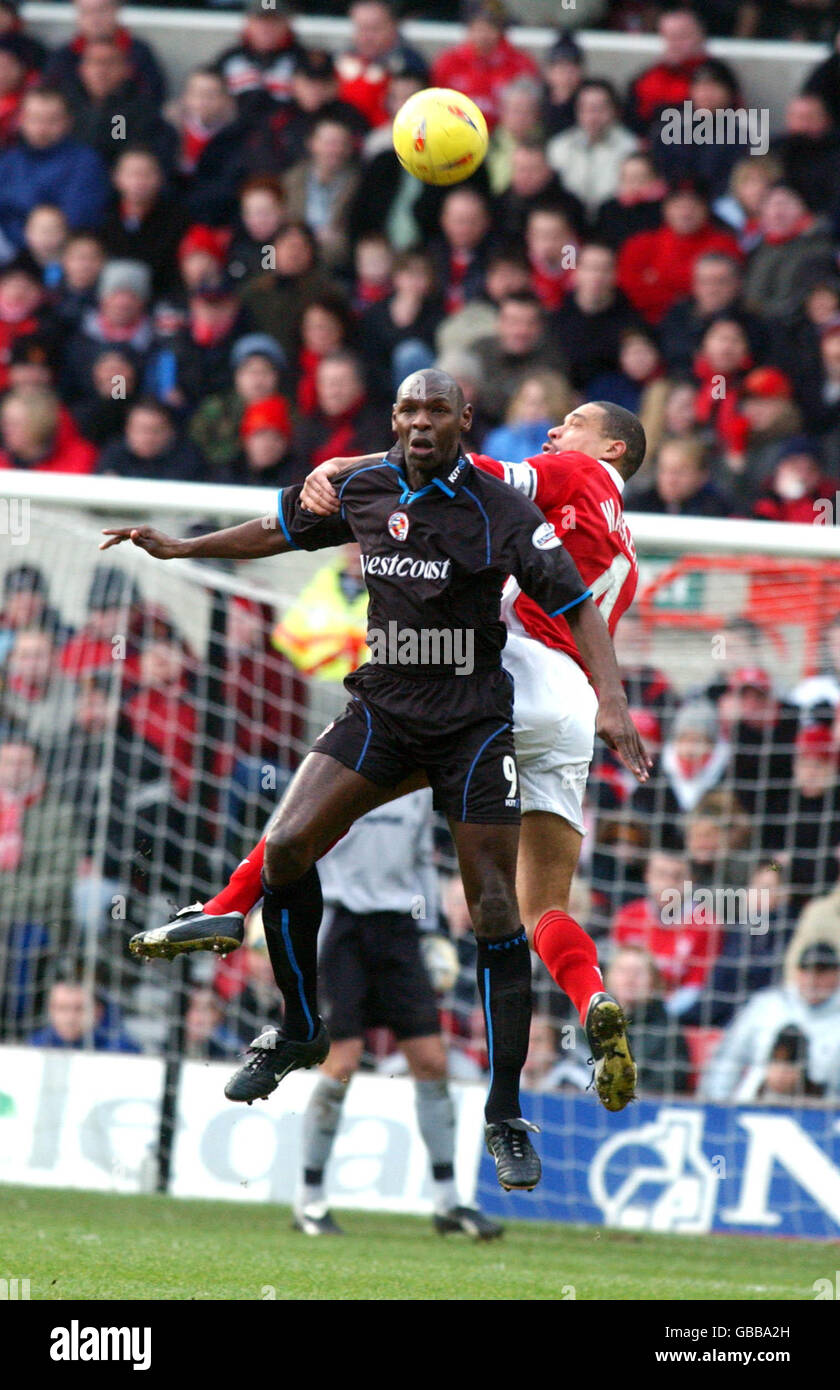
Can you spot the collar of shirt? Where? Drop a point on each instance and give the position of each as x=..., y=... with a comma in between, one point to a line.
x=614, y=474
x=448, y=484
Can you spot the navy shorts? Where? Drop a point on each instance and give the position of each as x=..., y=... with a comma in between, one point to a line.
x=371, y=975
x=458, y=730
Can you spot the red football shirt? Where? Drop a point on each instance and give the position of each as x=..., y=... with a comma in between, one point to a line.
x=683, y=953
x=581, y=497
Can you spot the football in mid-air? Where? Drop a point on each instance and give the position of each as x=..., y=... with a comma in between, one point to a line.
x=440, y=136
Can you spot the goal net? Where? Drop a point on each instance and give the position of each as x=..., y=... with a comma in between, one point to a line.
x=151, y=716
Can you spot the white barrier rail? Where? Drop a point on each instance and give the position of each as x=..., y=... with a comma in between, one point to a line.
x=770, y=72
x=653, y=534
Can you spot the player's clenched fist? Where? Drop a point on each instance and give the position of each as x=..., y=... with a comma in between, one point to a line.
x=147, y=538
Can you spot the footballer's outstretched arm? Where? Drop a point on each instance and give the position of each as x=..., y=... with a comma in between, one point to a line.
x=250, y=541
x=613, y=723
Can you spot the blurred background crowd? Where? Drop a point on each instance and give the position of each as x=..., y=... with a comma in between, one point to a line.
x=225, y=283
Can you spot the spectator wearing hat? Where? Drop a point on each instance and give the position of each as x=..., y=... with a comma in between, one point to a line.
x=121, y=319
x=715, y=290
x=202, y=253
x=811, y=1003
x=588, y=156
x=115, y=379
x=809, y=151
x=562, y=71
x=113, y=608
x=713, y=88
x=212, y=148
x=320, y=189
x=762, y=730
x=23, y=309
x=798, y=490
x=282, y=135
x=36, y=434
x=143, y=222
x=258, y=70
x=276, y=298
x=97, y=20
x=108, y=109
x=195, y=360
x=655, y=268
x=683, y=485
x=151, y=447
x=258, y=365
x=819, y=694
x=485, y=62
x=26, y=606
x=767, y=404
x=696, y=758
x=637, y=204
x=45, y=165
x=262, y=213
x=793, y=245
x=819, y=921
x=375, y=50
x=265, y=432
x=668, y=82
x=345, y=424
x=16, y=76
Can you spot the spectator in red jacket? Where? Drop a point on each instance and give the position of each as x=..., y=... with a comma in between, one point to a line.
x=655, y=268
x=720, y=367
x=163, y=711
x=683, y=944
x=667, y=83
x=486, y=62
x=376, y=48
x=799, y=490
x=36, y=434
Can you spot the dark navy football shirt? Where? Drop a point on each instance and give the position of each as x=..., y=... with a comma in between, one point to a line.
x=438, y=558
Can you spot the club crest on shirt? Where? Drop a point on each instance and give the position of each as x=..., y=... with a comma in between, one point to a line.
x=398, y=525
x=545, y=537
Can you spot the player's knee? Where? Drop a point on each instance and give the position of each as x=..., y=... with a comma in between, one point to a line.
x=288, y=854
x=495, y=913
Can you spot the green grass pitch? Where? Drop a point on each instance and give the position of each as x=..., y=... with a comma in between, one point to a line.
x=83, y=1245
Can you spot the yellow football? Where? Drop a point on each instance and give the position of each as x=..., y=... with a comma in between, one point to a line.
x=440, y=136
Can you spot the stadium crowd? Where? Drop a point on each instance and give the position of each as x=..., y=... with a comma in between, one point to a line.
x=225, y=283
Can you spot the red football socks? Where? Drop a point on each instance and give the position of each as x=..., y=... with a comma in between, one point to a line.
x=243, y=888
x=570, y=957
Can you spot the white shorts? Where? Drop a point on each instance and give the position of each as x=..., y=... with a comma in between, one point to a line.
x=554, y=709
